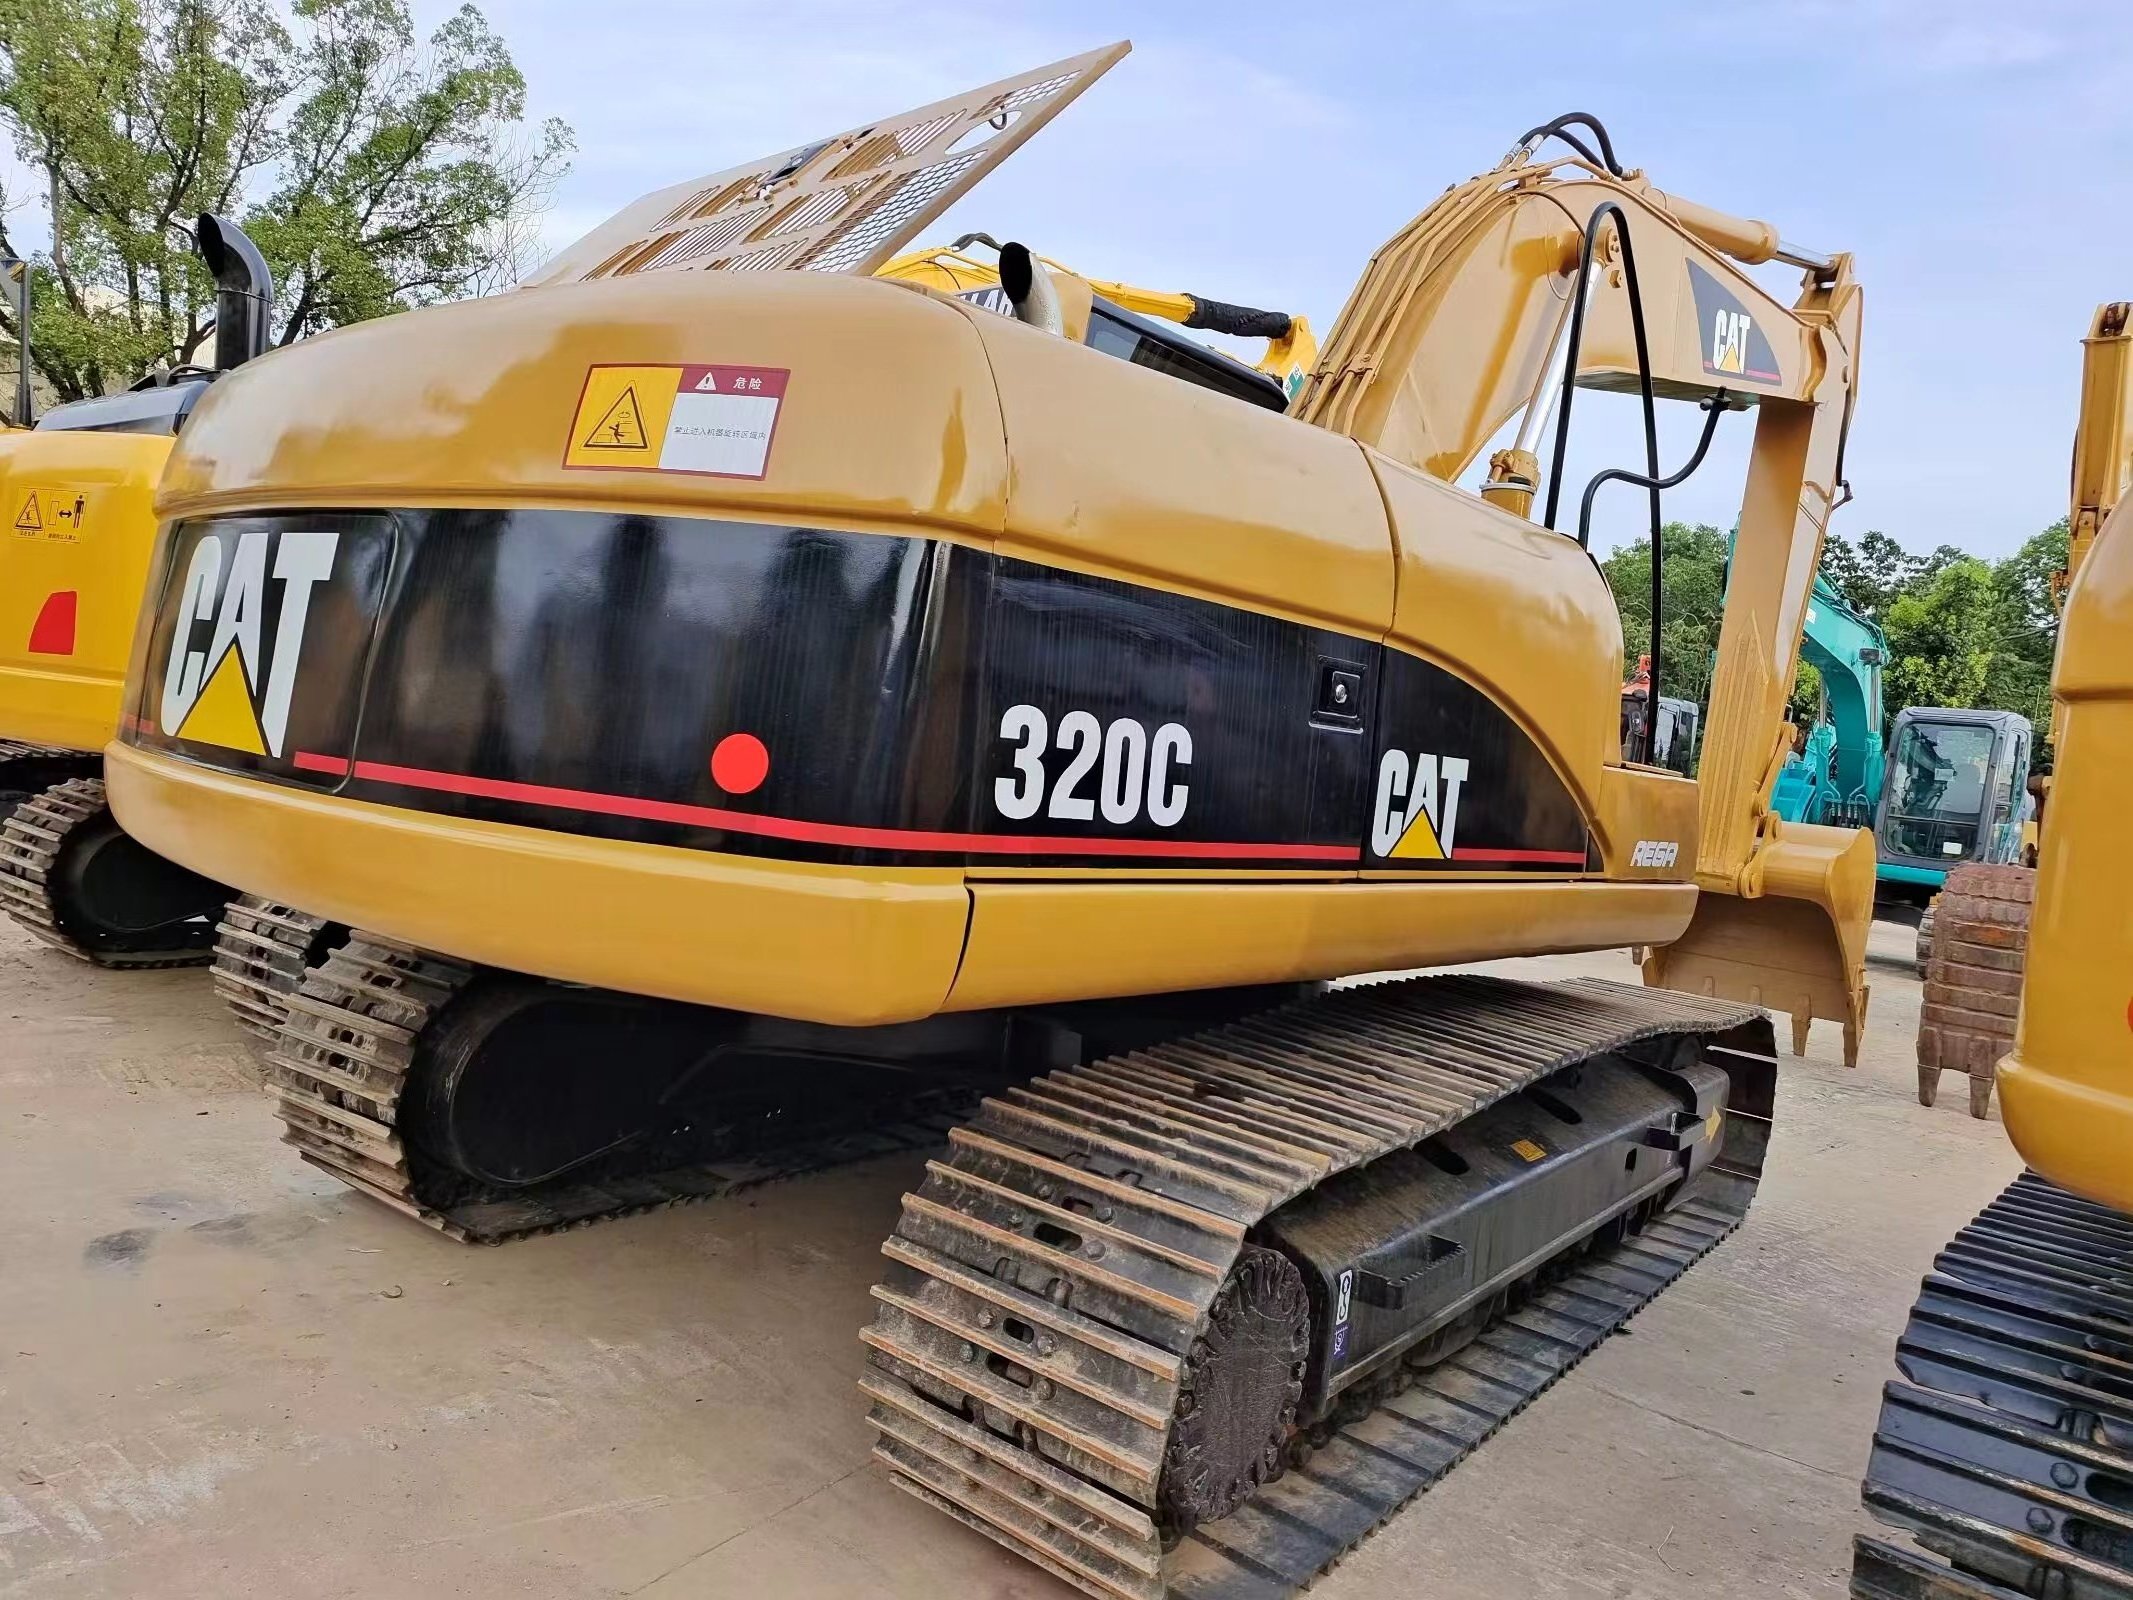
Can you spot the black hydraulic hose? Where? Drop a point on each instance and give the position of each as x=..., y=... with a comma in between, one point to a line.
x=1650, y=400
x=1245, y=322
x=1570, y=119
x=1714, y=407
x=1574, y=347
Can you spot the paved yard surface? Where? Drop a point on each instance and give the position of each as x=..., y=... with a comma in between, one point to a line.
x=221, y=1375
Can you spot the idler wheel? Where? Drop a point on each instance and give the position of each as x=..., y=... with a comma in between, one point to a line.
x=1237, y=1402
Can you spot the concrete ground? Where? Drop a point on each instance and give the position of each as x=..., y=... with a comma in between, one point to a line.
x=221, y=1375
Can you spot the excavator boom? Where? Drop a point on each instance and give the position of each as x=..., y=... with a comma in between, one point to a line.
x=1457, y=327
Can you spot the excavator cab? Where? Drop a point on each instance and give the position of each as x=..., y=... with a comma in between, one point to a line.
x=1956, y=791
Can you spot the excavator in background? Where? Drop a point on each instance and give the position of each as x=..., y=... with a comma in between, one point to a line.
x=77, y=495
x=1291, y=347
x=746, y=707
x=1952, y=793
x=1835, y=777
x=1973, y=974
x=2006, y=1450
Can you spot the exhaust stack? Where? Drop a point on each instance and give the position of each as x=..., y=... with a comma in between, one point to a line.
x=1030, y=288
x=244, y=291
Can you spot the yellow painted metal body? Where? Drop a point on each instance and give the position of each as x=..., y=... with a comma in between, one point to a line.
x=1449, y=336
x=76, y=519
x=1000, y=437
x=2066, y=1091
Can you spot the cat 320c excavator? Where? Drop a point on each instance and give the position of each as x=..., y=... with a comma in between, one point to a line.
x=743, y=704
x=2007, y=1449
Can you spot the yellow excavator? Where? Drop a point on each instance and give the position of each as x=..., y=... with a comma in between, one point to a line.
x=77, y=494
x=2006, y=1450
x=1973, y=961
x=1291, y=347
x=748, y=709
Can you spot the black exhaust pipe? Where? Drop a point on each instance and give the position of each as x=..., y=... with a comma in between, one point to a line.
x=244, y=291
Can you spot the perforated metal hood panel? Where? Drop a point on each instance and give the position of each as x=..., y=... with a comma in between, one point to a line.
x=842, y=204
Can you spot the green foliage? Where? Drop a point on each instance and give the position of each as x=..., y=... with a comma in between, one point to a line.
x=1961, y=631
x=375, y=171
x=1695, y=579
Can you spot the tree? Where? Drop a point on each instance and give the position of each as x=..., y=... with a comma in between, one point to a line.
x=1873, y=574
x=1962, y=632
x=374, y=171
x=1979, y=635
x=1694, y=577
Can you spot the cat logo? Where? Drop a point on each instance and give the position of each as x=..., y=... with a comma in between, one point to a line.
x=222, y=683
x=1733, y=345
x=1729, y=340
x=1417, y=812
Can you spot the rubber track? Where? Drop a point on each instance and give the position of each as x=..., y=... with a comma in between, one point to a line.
x=1124, y=1190
x=30, y=842
x=341, y=1062
x=259, y=956
x=2008, y=1453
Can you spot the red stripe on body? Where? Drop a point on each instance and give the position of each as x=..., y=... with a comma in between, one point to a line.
x=830, y=833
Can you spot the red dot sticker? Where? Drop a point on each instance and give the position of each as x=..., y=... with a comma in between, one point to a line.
x=739, y=763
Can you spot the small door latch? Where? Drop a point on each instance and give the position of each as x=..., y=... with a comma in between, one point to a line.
x=1340, y=695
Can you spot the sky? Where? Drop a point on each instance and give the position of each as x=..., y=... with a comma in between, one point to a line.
x=1972, y=156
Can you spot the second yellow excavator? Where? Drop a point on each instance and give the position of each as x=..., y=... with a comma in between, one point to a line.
x=75, y=547
x=2006, y=1450
x=747, y=706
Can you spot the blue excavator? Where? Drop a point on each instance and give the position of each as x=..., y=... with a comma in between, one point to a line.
x=1949, y=785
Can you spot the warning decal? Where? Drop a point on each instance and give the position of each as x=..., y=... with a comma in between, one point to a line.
x=717, y=421
x=50, y=514
x=621, y=429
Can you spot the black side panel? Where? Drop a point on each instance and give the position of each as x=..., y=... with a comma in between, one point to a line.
x=1119, y=713
x=837, y=697
x=615, y=657
x=1458, y=785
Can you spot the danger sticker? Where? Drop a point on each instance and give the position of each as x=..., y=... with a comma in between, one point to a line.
x=714, y=421
x=50, y=514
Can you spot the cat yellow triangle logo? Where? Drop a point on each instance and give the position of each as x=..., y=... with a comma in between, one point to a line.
x=223, y=713
x=622, y=428
x=1419, y=840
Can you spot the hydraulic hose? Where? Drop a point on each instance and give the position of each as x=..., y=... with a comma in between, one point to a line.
x=1650, y=478
x=1556, y=129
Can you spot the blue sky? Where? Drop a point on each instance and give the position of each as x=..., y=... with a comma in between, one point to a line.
x=1972, y=156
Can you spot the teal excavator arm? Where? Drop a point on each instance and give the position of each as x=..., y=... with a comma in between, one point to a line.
x=1837, y=778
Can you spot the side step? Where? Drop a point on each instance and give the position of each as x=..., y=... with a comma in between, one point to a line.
x=1049, y=1282
x=2009, y=1453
